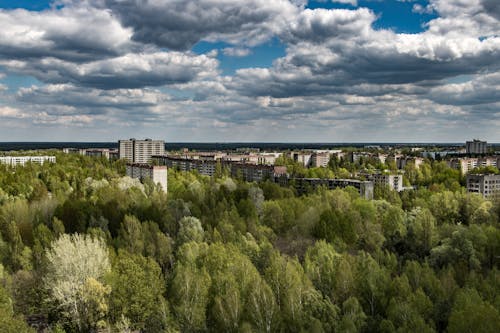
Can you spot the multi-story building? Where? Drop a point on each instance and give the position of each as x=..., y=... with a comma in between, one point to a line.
x=204, y=167
x=158, y=174
x=465, y=165
x=303, y=185
x=302, y=158
x=394, y=181
x=487, y=185
x=320, y=159
x=140, y=151
x=476, y=147
x=22, y=160
x=256, y=173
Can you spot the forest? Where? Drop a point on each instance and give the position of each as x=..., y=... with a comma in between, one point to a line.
x=85, y=249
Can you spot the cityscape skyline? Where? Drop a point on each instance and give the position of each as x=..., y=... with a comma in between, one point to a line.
x=339, y=71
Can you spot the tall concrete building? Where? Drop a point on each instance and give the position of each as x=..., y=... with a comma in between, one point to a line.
x=476, y=147
x=140, y=151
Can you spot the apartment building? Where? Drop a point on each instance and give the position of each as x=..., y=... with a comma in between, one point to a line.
x=486, y=185
x=476, y=147
x=320, y=159
x=303, y=185
x=465, y=165
x=256, y=173
x=140, y=151
x=22, y=160
x=158, y=174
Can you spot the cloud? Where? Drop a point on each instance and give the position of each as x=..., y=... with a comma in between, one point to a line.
x=179, y=24
x=338, y=51
x=236, y=51
x=492, y=7
x=73, y=34
x=418, y=8
x=89, y=98
x=483, y=89
x=128, y=71
x=9, y=112
x=348, y=2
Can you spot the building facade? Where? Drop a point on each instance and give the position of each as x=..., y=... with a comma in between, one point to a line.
x=257, y=173
x=320, y=159
x=140, y=151
x=476, y=147
x=158, y=174
x=22, y=160
x=486, y=185
x=304, y=185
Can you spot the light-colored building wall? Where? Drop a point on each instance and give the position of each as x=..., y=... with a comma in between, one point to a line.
x=158, y=174
x=140, y=151
x=320, y=159
x=22, y=160
x=394, y=181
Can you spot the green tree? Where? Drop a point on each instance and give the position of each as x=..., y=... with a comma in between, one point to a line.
x=470, y=313
x=71, y=262
x=137, y=292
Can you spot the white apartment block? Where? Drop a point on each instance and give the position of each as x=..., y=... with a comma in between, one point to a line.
x=140, y=151
x=465, y=165
x=394, y=181
x=487, y=185
x=158, y=174
x=22, y=160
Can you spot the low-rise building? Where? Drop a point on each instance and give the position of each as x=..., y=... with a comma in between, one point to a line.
x=22, y=160
x=487, y=185
x=157, y=173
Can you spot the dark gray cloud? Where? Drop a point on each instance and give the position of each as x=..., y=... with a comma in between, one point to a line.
x=484, y=89
x=75, y=34
x=492, y=7
x=127, y=71
x=179, y=24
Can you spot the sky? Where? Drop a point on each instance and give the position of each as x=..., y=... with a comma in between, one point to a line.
x=250, y=70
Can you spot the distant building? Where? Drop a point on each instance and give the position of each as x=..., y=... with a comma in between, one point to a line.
x=487, y=185
x=303, y=185
x=204, y=167
x=256, y=173
x=158, y=174
x=465, y=165
x=110, y=154
x=140, y=151
x=22, y=160
x=302, y=158
x=394, y=181
x=320, y=159
x=476, y=147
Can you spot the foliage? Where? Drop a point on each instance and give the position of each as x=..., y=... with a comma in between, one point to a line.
x=83, y=248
